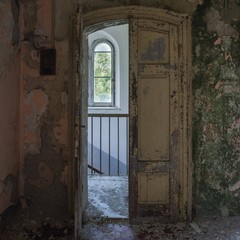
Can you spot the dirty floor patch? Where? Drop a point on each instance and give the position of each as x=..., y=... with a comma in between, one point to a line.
x=20, y=227
x=227, y=228
x=107, y=197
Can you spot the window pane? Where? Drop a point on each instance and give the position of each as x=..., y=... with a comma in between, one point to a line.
x=102, y=90
x=102, y=65
x=102, y=47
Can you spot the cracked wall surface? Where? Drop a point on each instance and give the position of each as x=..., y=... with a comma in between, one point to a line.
x=45, y=112
x=45, y=109
x=9, y=105
x=45, y=159
x=216, y=71
x=216, y=88
x=35, y=106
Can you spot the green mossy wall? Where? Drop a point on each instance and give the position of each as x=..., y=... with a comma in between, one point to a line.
x=216, y=93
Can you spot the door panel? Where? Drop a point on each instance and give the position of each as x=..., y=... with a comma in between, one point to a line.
x=154, y=119
x=153, y=141
x=147, y=183
x=153, y=46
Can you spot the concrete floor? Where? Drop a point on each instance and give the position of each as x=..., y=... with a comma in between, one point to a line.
x=204, y=228
x=107, y=197
x=207, y=227
x=105, y=221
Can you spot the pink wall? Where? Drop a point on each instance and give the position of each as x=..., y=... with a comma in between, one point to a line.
x=44, y=145
x=9, y=135
x=9, y=107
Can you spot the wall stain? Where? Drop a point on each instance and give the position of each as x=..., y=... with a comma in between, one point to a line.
x=216, y=108
x=155, y=50
x=216, y=86
x=36, y=103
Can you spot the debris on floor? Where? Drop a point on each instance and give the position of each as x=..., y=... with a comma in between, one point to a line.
x=204, y=228
x=20, y=227
x=107, y=197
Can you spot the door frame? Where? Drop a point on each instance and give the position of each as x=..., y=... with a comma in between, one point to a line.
x=97, y=19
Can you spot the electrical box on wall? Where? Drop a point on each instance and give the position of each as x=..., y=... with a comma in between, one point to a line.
x=48, y=61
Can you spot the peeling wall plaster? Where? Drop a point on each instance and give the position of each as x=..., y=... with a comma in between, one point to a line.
x=45, y=164
x=216, y=88
x=35, y=106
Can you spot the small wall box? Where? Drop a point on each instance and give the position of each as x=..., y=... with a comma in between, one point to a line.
x=48, y=61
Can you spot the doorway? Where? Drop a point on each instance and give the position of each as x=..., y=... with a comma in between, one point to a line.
x=159, y=111
x=108, y=122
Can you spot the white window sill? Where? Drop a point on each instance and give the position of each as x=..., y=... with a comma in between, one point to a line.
x=106, y=110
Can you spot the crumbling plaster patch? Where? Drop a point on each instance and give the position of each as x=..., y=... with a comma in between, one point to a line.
x=46, y=156
x=214, y=154
x=215, y=23
x=235, y=187
x=31, y=59
x=61, y=126
x=44, y=186
x=36, y=103
x=216, y=88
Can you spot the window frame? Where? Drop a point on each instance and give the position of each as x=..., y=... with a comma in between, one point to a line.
x=91, y=102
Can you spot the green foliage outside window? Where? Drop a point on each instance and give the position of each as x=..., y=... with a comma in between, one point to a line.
x=102, y=77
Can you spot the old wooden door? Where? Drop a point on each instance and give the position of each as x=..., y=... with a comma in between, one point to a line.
x=155, y=151
x=160, y=109
x=80, y=94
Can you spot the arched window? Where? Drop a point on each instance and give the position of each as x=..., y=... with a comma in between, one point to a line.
x=102, y=74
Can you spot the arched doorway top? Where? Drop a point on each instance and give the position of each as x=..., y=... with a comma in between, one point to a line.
x=111, y=16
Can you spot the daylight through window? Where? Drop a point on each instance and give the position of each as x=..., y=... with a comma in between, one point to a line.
x=102, y=74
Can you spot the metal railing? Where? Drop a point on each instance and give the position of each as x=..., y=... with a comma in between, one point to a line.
x=108, y=144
